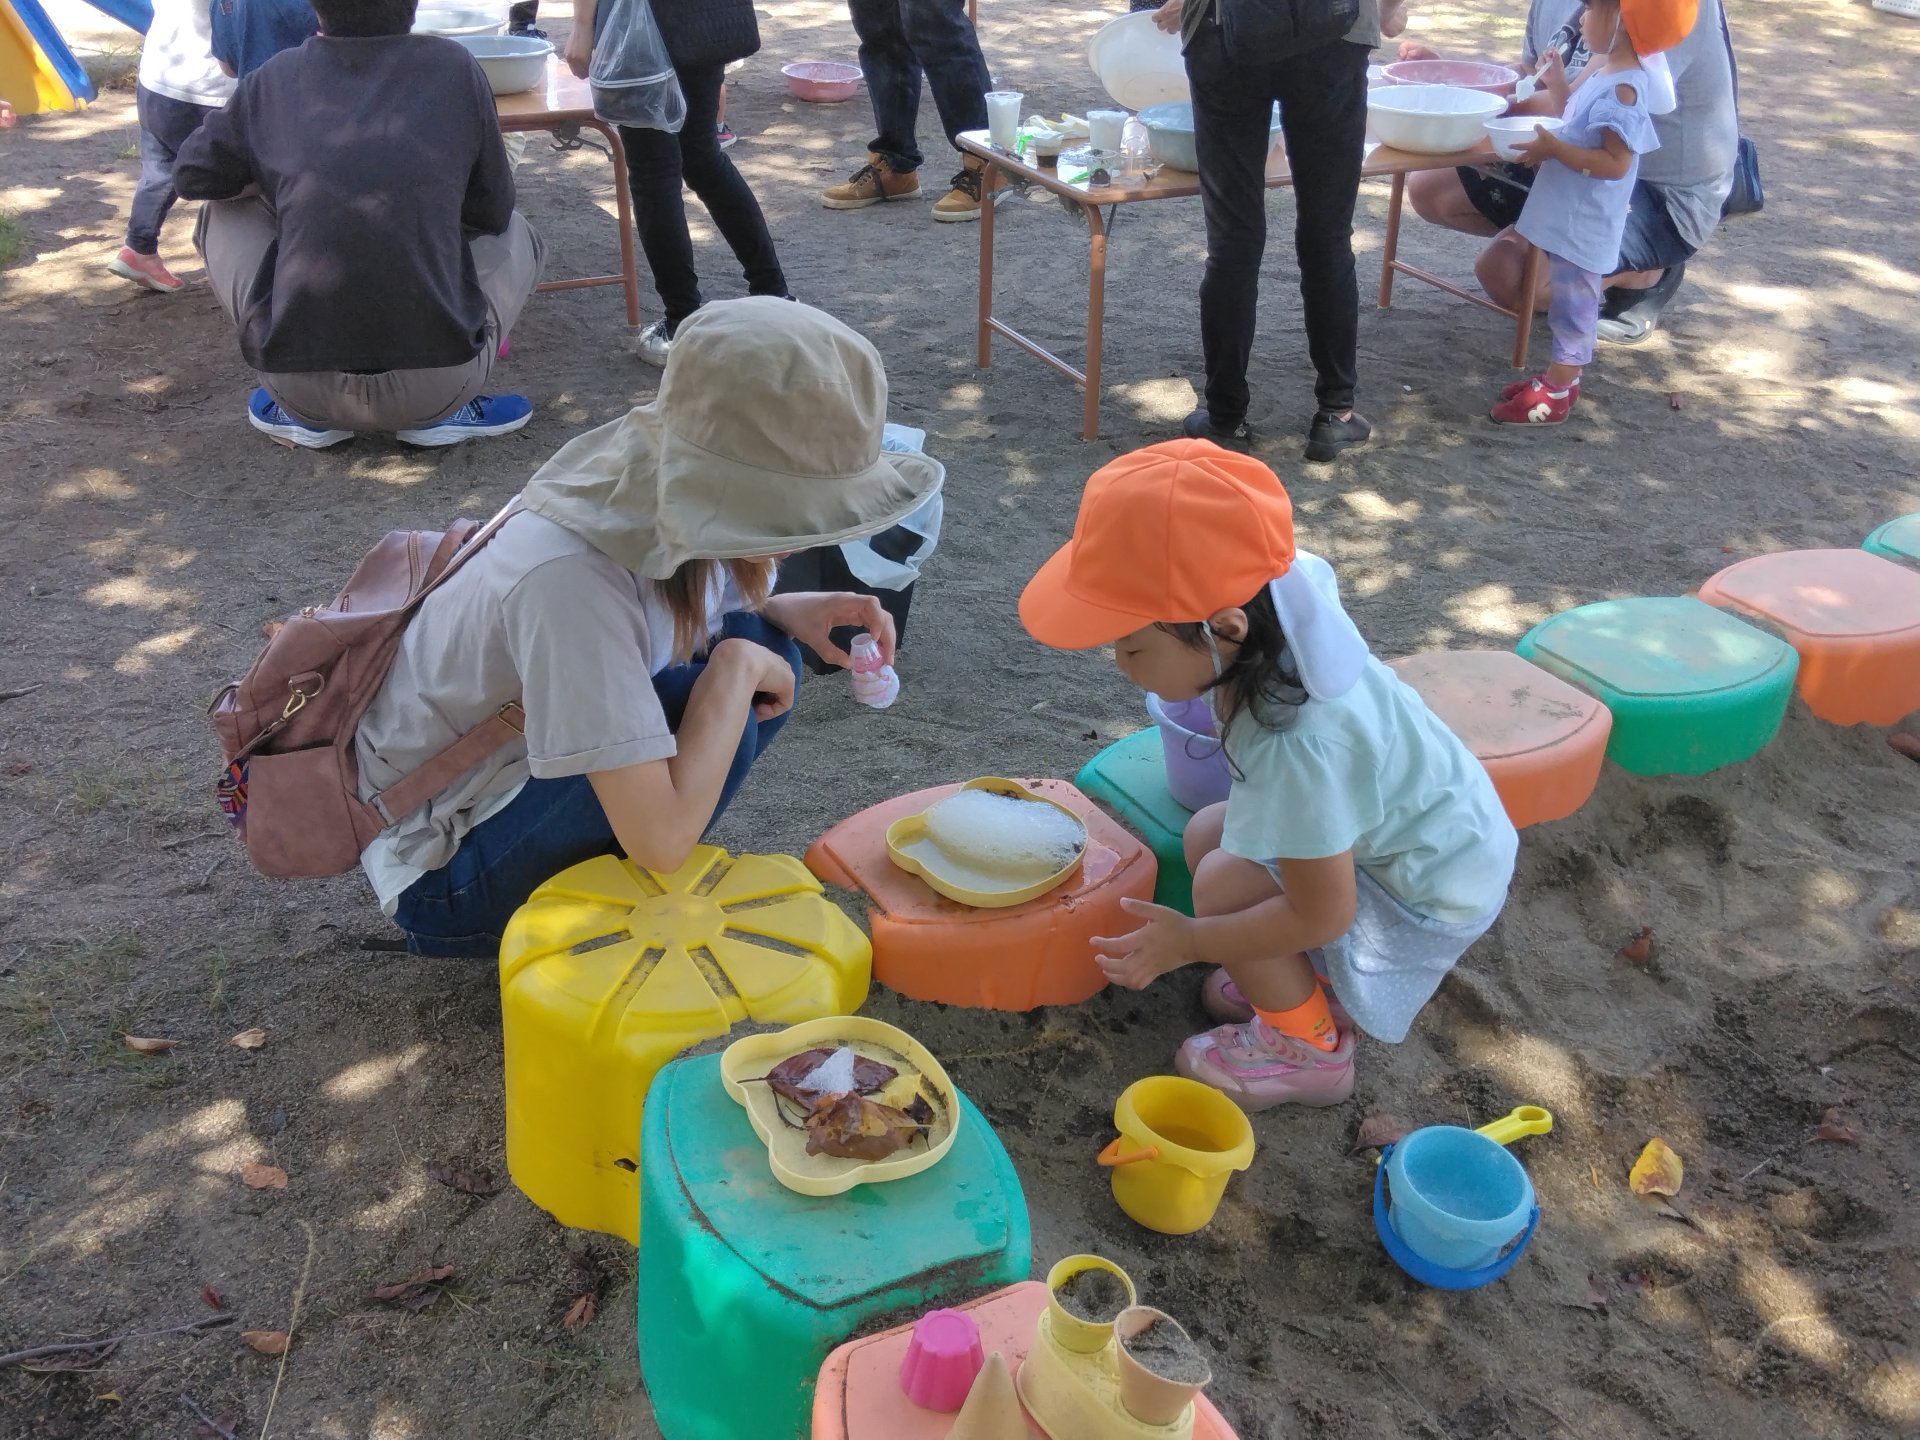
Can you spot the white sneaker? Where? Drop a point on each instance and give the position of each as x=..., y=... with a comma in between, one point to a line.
x=654, y=343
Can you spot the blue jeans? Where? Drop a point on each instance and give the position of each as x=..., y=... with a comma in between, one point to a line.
x=462, y=908
x=899, y=39
x=165, y=124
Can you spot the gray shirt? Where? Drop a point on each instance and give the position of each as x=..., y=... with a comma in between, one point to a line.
x=539, y=615
x=1693, y=168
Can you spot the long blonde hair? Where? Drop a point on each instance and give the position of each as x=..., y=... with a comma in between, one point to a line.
x=687, y=590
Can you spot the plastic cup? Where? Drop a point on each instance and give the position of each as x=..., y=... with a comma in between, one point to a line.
x=1104, y=129
x=1003, y=117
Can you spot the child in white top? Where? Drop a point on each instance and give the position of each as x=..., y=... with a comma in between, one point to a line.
x=1359, y=832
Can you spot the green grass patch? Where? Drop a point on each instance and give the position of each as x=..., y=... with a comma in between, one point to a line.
x=13, y=238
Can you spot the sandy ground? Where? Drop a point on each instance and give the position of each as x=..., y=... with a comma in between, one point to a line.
x=148, y=532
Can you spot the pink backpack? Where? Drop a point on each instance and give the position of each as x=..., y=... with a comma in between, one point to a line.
x=292, y=783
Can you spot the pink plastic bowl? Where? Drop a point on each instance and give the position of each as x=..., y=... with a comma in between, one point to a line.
x=1462, y=74
x=822, y=81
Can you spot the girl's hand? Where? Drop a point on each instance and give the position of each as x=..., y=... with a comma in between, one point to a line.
x=811, y=618
x=1136, y=960
x=768, y=674
x=1542, y=147
x=1553, y=80
x=579, y=50
x=1413, y=50
x=1167, y=17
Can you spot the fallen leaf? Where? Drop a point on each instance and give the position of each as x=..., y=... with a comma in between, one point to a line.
x=1832, y=1127
x=1593, y=1174
x=1905, y=744
x=226, y=1426
x=256, y=1176
x=1658, y=1171
x=68, y=1360
x=145, y=1045
x=579, y=1314
x=249, y=1039
x=212, y=1297
x=476, y=1181
x=852, y=1127
x=267, y=1342
x=112, y=1397
x=417, y=1291
x=1376, y=1132
x=1639, y=949
x=19, y=767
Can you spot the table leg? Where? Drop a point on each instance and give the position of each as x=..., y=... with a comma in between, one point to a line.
x=1096, y=316
x=1523, y=320
x=623, y=202
x=1391, y=248
x=989, y=178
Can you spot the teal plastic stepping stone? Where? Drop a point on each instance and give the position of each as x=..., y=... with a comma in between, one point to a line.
x=1129, y=778
x=745, y=1286
x=1691, y=688
x=1897, y=540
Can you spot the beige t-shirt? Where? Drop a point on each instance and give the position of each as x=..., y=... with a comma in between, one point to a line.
x=542, y=616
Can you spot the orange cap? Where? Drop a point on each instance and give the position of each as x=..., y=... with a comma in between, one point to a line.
x=1657, y=25
x=1173, y=533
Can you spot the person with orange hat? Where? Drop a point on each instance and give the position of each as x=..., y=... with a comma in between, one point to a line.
x=1361, y=847
x=1576, y=210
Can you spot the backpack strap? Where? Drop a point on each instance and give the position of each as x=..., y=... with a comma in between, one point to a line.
x=421, y=784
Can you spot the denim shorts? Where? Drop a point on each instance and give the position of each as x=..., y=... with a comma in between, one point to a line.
x=1649, y=242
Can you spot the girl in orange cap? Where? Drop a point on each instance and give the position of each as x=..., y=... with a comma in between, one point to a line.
x=1359, y=833
x=1576, y=210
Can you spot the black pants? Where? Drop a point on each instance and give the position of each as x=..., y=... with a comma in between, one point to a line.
x=1323, y=115
x=522, y=15
x=658, y=163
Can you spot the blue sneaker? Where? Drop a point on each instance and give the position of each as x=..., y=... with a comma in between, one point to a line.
x=480, y=417
x=270, y=420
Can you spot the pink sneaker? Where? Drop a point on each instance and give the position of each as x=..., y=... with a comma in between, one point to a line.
x=144, y=270
x=1257, y=1067
x=1223, y=1001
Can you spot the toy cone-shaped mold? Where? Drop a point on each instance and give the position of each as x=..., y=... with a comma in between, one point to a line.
x=992, y=1411
x=942, y=1360
x=1148, y=1394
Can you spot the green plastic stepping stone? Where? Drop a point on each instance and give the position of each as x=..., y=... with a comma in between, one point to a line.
x=745, y=1286
x=1690, y=687
x=1897, y=540
x=1129, y=778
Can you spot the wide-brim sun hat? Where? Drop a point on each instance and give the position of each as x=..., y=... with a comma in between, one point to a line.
x=764, y=438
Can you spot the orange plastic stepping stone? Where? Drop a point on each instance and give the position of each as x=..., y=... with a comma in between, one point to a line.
x=1541, y=740
x=858, y=1395
x=928, y=947
x=1853, y=616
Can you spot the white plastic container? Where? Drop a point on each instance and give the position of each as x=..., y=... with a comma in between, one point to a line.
x=1137, y=62
x=1510, y=131
x=511, y=63
x=473, y=17
x=1430, y=119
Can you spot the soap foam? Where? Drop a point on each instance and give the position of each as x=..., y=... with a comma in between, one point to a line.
x=1004, y=835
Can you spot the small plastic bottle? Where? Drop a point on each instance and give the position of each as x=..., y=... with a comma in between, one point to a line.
x=874, y=682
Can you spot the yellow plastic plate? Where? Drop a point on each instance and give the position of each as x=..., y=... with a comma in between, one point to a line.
x=910, y=849
x=746, y=1060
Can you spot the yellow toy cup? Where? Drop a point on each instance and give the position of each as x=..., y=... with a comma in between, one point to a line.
x=1082, y=1337
x=1179, y=1141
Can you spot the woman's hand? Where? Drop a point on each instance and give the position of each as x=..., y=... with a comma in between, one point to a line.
x=1544, y=146
x=769, y=675
x=1414, y=50
x=579, y=49
x=1167, y=17
x=1136, y=960
x=812, y=617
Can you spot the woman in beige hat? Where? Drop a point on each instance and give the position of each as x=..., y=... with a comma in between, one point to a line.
x=626, y=607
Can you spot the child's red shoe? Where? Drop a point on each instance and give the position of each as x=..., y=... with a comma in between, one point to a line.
x=1534, y=404
x=1514, y=387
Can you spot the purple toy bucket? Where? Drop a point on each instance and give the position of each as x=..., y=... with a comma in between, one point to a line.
x=1197, y=773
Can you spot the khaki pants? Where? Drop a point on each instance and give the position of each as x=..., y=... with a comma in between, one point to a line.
x=233, y=238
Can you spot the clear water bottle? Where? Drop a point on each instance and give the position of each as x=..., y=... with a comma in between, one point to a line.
x=874, y=682
x=1135, y=149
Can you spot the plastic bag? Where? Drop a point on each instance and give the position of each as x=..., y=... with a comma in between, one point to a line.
x=632, y=77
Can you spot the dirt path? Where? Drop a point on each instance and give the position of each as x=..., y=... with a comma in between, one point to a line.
x=148, y=532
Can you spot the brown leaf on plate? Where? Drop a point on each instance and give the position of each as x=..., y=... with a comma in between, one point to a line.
x=1905, y=744
x=1378, y=1131
x=148, y=1045
x=267, y=1342
x=1833, y=1127
x=1639, y=949
x=474, y=1180
x=1658, y=1171
x=256, y=1176
x=85, y=1359
x=852, y=1127
x=580, y=1313
x=786, y=1078
x=212, y=1297
x=249, y=1039
x=417, y=1291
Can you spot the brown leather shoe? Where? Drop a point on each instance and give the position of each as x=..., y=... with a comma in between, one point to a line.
x=962, y=202
x=871, y=184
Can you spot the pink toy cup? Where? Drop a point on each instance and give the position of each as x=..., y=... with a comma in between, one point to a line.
x=942, y=1359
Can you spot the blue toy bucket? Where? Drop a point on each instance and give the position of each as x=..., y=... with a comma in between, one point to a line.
x=1457, y=1198
x=1197, y=774
x=1435, y=1275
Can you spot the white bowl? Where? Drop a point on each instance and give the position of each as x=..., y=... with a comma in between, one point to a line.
x=1430, y=119
x=1138, y=62
x=459, y=20
x=1508, y=131
x=512, y=63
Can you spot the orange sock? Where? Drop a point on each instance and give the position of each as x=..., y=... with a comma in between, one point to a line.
x=1311, y=1020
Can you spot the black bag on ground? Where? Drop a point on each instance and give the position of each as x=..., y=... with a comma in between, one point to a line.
x=1258, y=32
x=1746, y=196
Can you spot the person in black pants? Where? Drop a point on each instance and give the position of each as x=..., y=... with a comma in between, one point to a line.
x=1323, y=117
x=702, y=36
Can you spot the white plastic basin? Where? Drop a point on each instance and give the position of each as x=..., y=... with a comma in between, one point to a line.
x=459, y=20
x=1138, y=62
x=1509, y=131
x=1430, y=119
x=511, y=63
